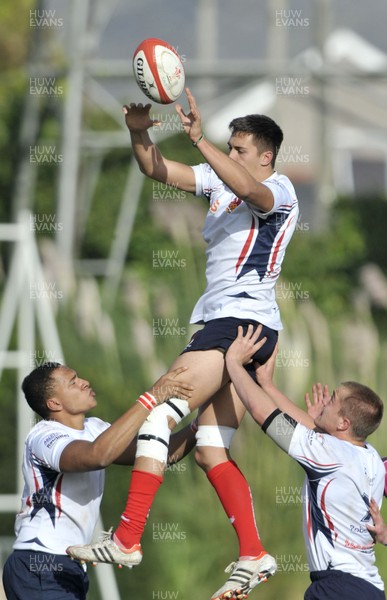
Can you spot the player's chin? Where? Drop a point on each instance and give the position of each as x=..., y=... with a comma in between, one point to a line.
x=92, y=403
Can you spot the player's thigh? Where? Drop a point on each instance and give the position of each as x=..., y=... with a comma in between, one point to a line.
x=206, y=372
x=224, y=408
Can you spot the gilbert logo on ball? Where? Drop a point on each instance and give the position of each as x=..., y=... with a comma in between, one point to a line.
x=158, y=71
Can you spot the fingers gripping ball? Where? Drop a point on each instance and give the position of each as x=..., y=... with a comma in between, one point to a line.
x=159, y=71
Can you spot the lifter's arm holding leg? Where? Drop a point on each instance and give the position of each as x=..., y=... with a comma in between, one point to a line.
x=258, y=401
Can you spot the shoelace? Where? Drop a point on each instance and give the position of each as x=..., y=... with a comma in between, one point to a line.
x=106, y=535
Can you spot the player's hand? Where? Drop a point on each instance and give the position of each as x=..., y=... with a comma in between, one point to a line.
x=379, y=529
x=246, y=345
x=137, y=117
x=170, y=385
x=320, y=396
x=192, y=122
x=264, y=373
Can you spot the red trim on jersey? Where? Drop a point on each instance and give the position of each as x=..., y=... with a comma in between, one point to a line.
x=278, y=245
x=58, y=495
x=28, y=500
x=309, y=521
x=318, y=463
x=324, y=509
x=286, y=206
x=247, y=245
x=36, y=481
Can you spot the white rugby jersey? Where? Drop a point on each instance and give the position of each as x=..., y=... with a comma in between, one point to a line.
x=245, y=249
x=341, y=478
x=58, y=509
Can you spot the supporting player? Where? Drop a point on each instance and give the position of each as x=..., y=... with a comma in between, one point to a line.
x=63, y=467
x=252, y=215
x=343, y=472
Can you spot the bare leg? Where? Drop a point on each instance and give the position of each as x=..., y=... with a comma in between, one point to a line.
x=207, y=373
x=224, y=408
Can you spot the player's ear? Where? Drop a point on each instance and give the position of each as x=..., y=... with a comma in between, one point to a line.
x=266, y=158
x=344, y=423
x=53, y=404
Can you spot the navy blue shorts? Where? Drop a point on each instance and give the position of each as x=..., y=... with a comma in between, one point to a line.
x=42, y=576
x=337, y=585
x=220, y=334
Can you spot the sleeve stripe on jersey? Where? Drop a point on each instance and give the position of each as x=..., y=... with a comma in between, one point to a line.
x=323, y=467
x=286, y=206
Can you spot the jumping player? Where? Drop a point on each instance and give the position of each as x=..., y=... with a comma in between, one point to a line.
x=252, y=215
x=343, y=472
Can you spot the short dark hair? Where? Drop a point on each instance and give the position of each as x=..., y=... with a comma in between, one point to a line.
x=39, y=386
x=265, y=131
x=363, y=408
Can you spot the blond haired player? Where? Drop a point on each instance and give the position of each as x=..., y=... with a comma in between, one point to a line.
x=343, y=472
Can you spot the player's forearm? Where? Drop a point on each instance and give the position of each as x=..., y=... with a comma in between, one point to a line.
x=287, y=406
x=107, y=447
x=115, y=440
x=148, y=156
x=255, y=399
x=236, y=177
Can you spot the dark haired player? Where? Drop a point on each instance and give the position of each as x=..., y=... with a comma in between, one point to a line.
x=252, y=215
x=63, y=468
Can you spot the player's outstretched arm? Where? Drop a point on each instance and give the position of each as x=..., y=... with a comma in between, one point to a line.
x=234, y=175
x=255, y=399
x=379, y=529
x=149, y=158
x=111, y=445
x=264, y=374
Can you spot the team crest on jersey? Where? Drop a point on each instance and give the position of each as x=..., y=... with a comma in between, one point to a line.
x=235, y=202
x=214, y=206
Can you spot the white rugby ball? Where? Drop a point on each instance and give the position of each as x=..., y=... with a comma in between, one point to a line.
x=159, y=71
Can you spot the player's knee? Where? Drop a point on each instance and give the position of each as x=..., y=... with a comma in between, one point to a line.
x=153, y=436
x=201, y=457
x=212, y=440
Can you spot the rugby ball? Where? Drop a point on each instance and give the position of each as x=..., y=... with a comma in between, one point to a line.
x=158, y=70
